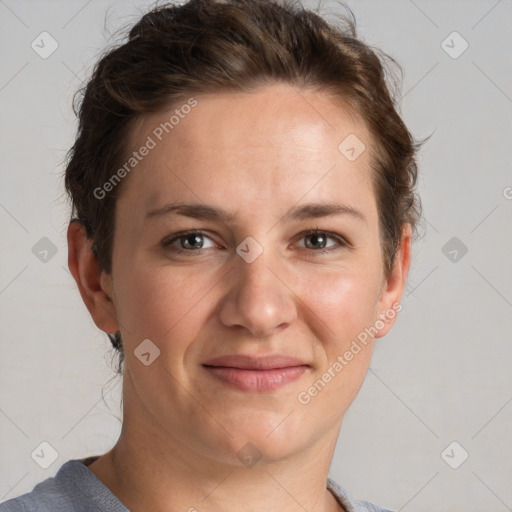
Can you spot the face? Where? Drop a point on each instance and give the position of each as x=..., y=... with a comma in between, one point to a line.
x=257, y=283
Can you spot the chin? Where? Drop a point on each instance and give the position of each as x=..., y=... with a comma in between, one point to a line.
x=268, y=441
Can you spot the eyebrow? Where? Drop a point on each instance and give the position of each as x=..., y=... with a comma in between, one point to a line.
x=211, y=213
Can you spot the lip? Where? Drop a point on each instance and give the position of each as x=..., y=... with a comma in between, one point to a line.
x=246, y=362
x=248, y=373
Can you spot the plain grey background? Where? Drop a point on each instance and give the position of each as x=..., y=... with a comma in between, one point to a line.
x=439, y=387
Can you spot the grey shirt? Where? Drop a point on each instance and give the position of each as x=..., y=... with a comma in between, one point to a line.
x=77, y=489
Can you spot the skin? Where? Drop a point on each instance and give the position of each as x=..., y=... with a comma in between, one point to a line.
x=257, y=155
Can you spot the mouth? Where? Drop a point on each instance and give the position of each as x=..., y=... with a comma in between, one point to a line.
x=257, y=374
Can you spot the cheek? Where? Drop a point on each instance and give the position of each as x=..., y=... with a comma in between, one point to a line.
x=161, y=297
x=171, y=306
x=154, y=302
x=342, y=306
x=344, y=303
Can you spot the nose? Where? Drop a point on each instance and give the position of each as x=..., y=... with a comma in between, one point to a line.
x=258, y=299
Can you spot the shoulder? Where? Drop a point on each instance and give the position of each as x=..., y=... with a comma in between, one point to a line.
x=73, y=489
x=349, y=503
x=43, y=497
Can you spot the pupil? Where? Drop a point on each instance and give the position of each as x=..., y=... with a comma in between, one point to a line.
x=195, y=238
x=316, y=239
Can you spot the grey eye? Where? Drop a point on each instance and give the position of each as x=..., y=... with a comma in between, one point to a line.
x=318, y=241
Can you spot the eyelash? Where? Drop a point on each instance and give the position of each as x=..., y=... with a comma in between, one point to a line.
x=167, y=243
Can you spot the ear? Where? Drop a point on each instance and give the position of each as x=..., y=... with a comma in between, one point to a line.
x=393, y=286
x=95, y=286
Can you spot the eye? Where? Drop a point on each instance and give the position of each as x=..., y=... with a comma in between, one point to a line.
x=193, y=242
x=318, y=241
x=188, y=242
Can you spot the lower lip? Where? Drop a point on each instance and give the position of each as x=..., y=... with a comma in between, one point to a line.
x=256, y=380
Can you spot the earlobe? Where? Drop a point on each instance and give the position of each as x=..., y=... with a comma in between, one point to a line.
x=94, y=285
x=389, y=304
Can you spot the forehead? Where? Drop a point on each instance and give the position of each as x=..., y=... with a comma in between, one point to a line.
x=278, y=143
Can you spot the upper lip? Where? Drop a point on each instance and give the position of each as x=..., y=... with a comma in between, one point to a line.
x=247, y=362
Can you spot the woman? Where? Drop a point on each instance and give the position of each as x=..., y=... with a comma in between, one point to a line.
x=243, y=208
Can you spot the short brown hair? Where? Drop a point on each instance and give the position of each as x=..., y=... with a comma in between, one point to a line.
x=239, y=45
